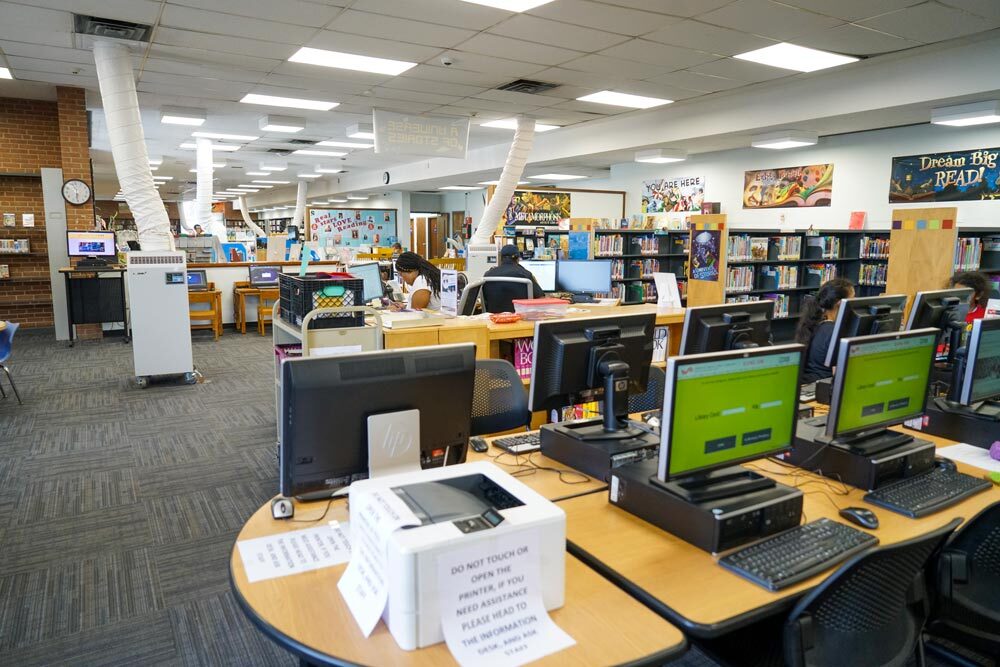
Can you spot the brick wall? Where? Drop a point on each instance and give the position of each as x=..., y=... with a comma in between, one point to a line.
x=36, y=134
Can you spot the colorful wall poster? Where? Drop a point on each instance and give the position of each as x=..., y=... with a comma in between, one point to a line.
x=788, y=187
x=957, y=176
x=352, y=226
x=705, y=255
x=238, y=252
x=673, y=194
x=537, y=208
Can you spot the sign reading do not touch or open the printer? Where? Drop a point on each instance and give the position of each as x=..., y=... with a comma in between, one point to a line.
x=413, y=134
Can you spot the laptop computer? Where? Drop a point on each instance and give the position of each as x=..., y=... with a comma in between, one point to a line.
x=264, y=276
x=197, y=280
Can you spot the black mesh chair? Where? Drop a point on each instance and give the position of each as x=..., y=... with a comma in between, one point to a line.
x=470, y=297
x=967, y=605
x=499, y=293
x=869, y=612
x=652, y=398
x=499, y=401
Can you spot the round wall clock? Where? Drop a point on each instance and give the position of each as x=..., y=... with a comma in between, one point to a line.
x=76, y=192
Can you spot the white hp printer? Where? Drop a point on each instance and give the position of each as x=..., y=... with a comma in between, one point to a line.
x=458, y=505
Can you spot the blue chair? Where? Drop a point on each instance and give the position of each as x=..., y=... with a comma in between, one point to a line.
x=6, y=339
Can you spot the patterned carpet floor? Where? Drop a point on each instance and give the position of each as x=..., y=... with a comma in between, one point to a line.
x=119, y=506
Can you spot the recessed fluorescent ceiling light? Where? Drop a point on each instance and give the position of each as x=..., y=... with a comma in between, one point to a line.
x=5, y=73
x=156, y=161
x=273, y=165
x=459, y=187
x=660, y=156
x=306, y=151
x=289, y=102
x=977, y=113
x=257, y=185
x=511, y=5
x=498, y=182
x=784, y=139
x=623, y=100
x=153, y=167
x=795, y=57
x=228, y=137
x=511, y=124
x=350, y=61
x=274, y=123
x=182, y=116
x=274, y=182
x=307, y=175
x=328, y=170
x=555, y=177
x=361, y=131
x=345, y=144
x=258, y=173
x=358, y=197
x=163, y=178
x=188, y=145
x=338, y=201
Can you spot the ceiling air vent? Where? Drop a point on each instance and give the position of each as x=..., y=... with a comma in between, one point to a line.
x=301, y=142
x=111, y=28
x=280, y=151
x=527, y=86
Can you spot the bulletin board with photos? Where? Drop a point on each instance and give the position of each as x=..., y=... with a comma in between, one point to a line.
x=351, y=227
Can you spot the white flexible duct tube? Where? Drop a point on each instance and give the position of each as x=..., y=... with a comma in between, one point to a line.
x=517, y=157
x=187, y=225
x=128, y=145
x=300, y=206
x=247, y=220
x=203, y=194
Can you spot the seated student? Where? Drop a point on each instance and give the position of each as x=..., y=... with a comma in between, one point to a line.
x=981, y=290
x=423, y=281
x=499, y=297
x=816, y=326
x=397, y=249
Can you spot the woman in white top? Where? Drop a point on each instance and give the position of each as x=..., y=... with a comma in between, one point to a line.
x=423, y=281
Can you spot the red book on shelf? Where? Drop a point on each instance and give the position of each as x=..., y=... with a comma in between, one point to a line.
x=858, y=219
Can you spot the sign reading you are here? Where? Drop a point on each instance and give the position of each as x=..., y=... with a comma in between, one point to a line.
x=411, y=134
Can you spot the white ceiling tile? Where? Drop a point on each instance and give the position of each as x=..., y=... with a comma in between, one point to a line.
x=300, y=74
x=616, y=66
x=542, y=99
x=440, y=87
x=428, y=97
x=768, y=18
x=741, y=70
x=499, y=107
x=200, y=70
x=298, y=12
x=987, y=8
x=222, y=43
x=201, y=56
x=855, y=40
x=401, y=106
x=674, y=7
x=602, y=17
x=35, y=25
x=700, y=82
x=19, y=63
x=596, y=110
x=588, y=80
x=189, y=18
x=456, y=74
x=533, y=28
x=853, y=10
x=443, y=12
x=372, y=46
x=533, y=52
x=707, y=37
x=208, y=87
x=389, y=27
x=480, y=115
x=179, y=89
x=476, y=62
x=59, y=79
x=47, y=52
x=930, y=22
x=654, y=53
x=139, y=11
x=553, y=116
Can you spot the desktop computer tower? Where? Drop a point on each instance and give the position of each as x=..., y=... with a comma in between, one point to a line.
x=863, y=471
x=981, y=431
x=713, y=525
x=596, y=458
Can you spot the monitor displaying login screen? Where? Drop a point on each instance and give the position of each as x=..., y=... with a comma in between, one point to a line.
x=91, y=244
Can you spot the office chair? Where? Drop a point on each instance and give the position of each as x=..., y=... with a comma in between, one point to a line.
x=869, y=612
x=499, y=401
x=967, y=588
x=6, y=346
x=652, y=398
x=499, y=292
x=470, y=297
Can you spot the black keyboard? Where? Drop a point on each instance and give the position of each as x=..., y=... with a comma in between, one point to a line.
x=797, y=554
x=519, y=444
x=925, y=494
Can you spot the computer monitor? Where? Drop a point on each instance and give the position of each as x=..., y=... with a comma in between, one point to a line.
x=264, y=276
x=91, y=244
x=577, y=359
x=730, y=326
x=882, y=380
x=371, y=275
x=590, y=276
x=864, y=316
x=943, y=309
x=724, y=408
x=326, y=403
x=197, y=280
x=544, y=271
x=981, y=377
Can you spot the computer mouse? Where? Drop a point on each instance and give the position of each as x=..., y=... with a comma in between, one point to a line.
x=945, y=464
x=478, y=444
x=861, y=516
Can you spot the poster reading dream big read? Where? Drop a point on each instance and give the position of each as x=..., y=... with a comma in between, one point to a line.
x=352, y=226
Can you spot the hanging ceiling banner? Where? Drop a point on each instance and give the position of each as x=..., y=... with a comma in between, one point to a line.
x=412, y=134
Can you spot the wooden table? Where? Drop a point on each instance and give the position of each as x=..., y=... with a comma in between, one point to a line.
x=240, y=293
x=686, y=585
x=306, y=614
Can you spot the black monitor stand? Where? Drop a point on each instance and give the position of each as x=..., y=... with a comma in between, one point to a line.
x=715, y=484
x=93, y=262
x=867, y=443
x=582, y=297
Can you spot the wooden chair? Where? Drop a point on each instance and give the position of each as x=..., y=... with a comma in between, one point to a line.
x=212, y=315
x=265, y=307
x=241, y=290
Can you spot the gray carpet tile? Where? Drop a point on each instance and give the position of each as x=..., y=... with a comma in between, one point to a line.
x=94, y=459
x=208, y=557
x=171, y=449
x=75, y=494
x=192, y=516
x=210, y=474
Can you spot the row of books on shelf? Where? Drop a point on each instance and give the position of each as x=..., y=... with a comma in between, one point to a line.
x=635, y=268
x=991, y=244
x=634, y=292
x=822, y=247
x=610, y=245
x=873, y=274
x=781, y=302
x=739, y=279
x=817, y=274
x=15, y=246
x=746, y=248
x=779, y=277
x=874, y=248
x=789, y=247
x=968, y=254
x=643, y=222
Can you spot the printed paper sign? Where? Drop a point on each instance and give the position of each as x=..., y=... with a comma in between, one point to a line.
x=28, y=219
x=297, y=551
x=492, y=612
x=449, y=292
x=667, y=294
x=661, y=340
x=365, y=585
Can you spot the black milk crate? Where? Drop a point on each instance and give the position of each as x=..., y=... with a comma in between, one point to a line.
x=301, y=295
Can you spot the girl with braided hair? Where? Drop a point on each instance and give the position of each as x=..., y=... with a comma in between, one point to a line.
x=423, y=281
x=816, y=326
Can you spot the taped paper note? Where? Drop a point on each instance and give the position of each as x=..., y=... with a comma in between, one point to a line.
x=667, y=293
x=974, y=456
x=365, y=586
x=492, y=614
x=297, y=551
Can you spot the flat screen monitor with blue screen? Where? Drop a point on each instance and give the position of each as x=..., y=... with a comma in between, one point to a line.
x=544, y=272
x=372, y=277
x=584, y=276
x=197, y=280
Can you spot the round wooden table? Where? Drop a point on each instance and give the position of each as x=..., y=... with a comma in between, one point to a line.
x=305, y=614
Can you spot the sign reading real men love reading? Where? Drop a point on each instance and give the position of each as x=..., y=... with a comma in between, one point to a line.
x=411, y=134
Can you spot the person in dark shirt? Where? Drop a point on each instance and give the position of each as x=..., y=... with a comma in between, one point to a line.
x=816, y=326
x=499, y=297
